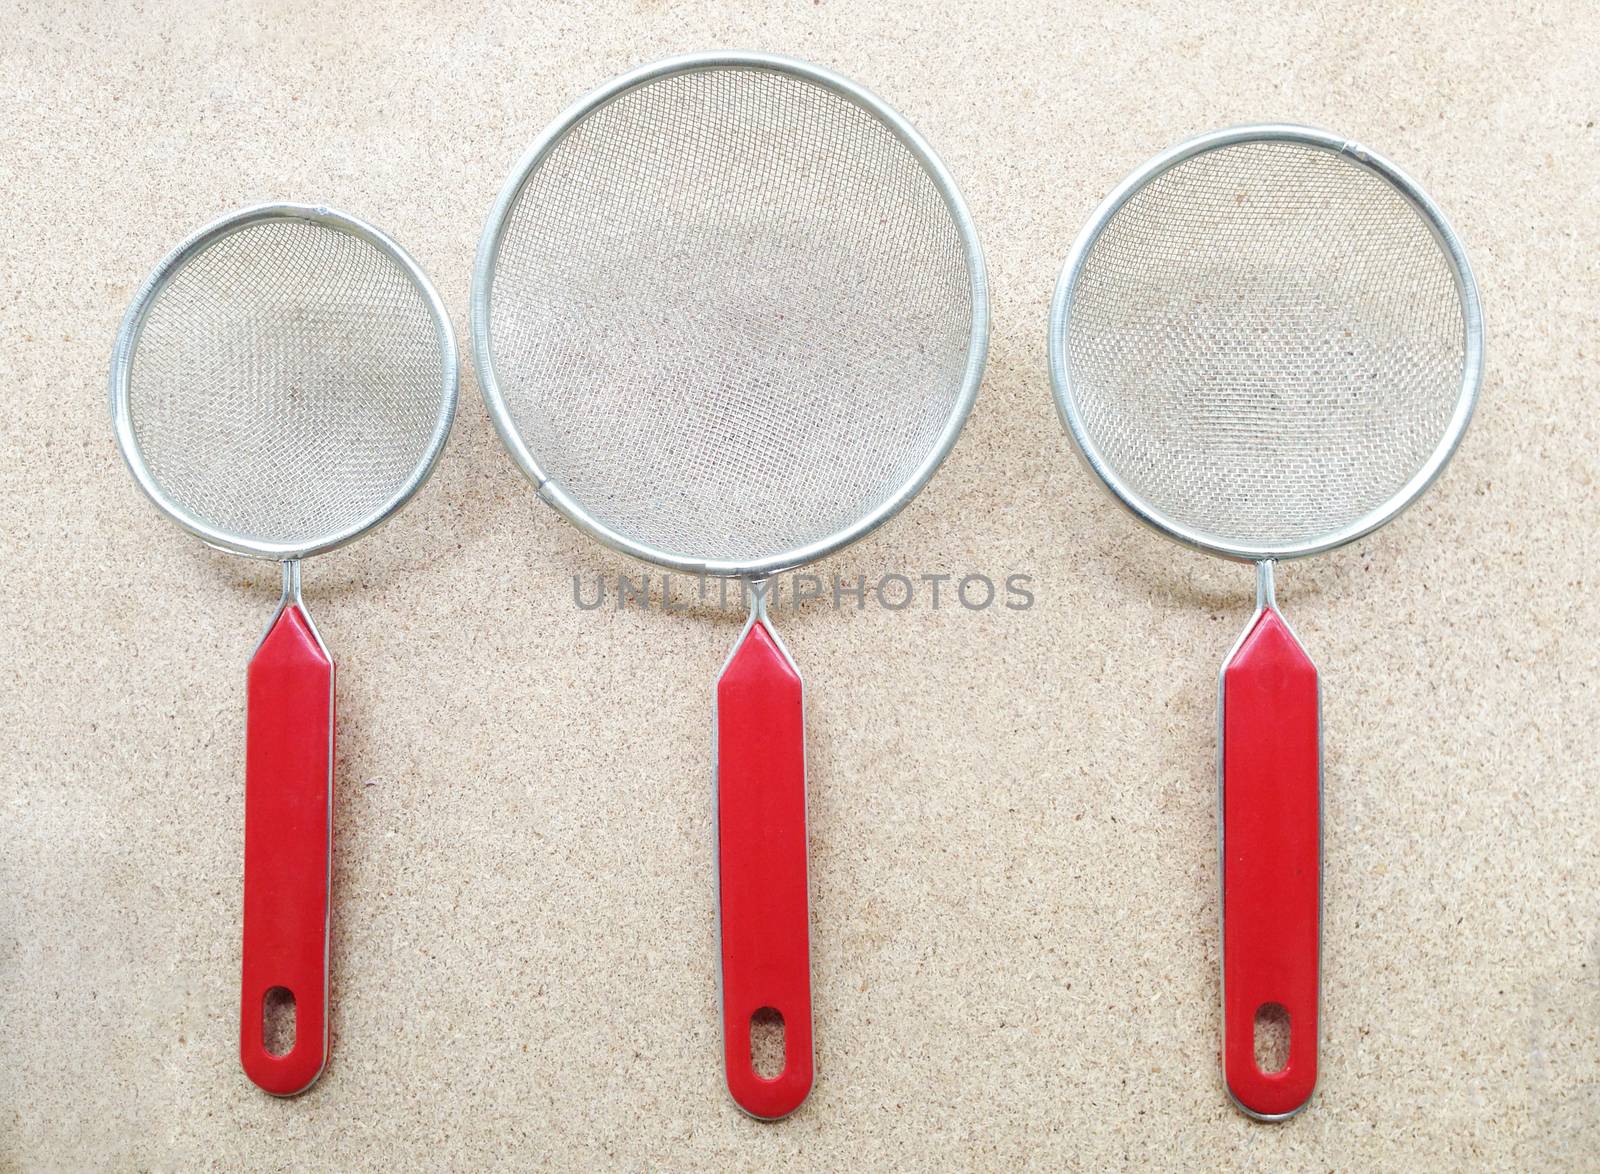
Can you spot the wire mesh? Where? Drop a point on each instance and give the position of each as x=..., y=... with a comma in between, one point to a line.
x=730, y=314
x=1266, y=342
x=287, y=381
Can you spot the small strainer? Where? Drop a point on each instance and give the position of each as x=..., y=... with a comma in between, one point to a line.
x=729, y=315
x=283, y=382
x=1267, y=342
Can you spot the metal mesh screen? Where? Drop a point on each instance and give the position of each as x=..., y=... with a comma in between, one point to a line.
x=730, y=313
x=1266, y=342
x=287, y=381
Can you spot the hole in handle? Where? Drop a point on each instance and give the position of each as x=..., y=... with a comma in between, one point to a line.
x=767, y=1049
x=1272, y=1038
x=278, y=1021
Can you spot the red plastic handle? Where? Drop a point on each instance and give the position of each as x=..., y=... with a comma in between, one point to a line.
x=1271, y=812
x=761, y=870
x=288, y=850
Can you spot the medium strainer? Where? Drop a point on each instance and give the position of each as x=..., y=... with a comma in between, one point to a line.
x=1267, y=342
x=729, y=315
x=282, y=383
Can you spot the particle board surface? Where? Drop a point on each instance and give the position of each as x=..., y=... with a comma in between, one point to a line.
x=1012, y=810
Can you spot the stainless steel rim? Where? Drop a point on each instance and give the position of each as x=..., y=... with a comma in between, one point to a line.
x=1472, y=327
x=127, y=343
x=483, y=283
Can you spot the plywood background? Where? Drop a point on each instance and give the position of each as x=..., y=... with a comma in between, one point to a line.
x=1012, y=837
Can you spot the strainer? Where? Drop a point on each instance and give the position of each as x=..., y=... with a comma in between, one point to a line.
x=729, y=315
x=1267, y=342
x=283, y=382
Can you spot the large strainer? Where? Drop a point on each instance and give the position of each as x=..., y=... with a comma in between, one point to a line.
x=283, y=382
x=1267, y=342
x=729, y=315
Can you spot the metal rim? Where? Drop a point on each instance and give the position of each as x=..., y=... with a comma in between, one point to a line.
x=122, y=358
x=1472, y=331
x=483, y=283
